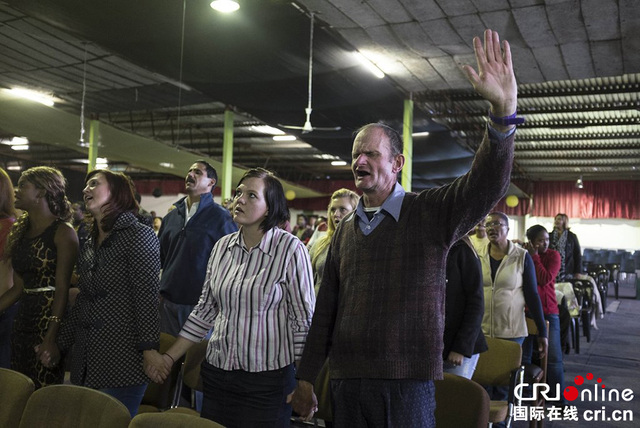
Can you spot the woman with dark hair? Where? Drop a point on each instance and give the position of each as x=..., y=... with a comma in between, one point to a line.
x=547, y=265
x=258, y=297
x=114, y=323
x=509, y=280
x=566, y=243
x=42, y=248
x=7, y=217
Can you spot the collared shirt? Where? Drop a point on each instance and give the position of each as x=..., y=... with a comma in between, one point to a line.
x=391, y=206
x=190, y=212
x=259, y=301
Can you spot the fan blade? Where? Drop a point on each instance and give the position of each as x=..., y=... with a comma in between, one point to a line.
x=289, y=126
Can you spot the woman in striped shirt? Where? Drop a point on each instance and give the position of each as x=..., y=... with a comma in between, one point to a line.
x=258, y=297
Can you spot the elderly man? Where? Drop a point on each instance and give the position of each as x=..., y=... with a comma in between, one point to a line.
x=380, y=311
x=187, y=235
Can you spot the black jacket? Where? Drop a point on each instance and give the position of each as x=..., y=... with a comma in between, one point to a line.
x=464, y=306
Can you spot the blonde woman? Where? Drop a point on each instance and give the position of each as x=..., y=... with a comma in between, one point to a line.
x=7, y=217
x=42, y=248
x=343, y=202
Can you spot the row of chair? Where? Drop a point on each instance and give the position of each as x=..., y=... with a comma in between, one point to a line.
x=70, y=406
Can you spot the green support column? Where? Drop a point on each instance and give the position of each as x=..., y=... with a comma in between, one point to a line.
x=227, y=155
x=407, y=131
x=94, y=128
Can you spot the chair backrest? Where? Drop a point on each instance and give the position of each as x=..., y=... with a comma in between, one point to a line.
x=496, y=364
x=67, y=406
x=171, y=420
x=159, y=396
x=15, y=390
x=192, y=361
x=461, y=403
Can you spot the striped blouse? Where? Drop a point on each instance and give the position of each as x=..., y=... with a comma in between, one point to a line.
x=259, y=301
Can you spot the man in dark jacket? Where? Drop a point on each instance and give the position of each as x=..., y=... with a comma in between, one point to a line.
x=187, y=236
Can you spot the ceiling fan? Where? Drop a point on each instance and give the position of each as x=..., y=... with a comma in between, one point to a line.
x=307, y=127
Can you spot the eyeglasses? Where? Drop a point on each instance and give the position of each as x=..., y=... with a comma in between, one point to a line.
x=493, y=224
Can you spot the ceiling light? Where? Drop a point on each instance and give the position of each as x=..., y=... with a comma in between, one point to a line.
x=39, y=97
x=14, y=167
x=166, y=164
x=21, y=147
x=420, y=134
x=338, y=163
x=225, y=6
x=370, y=66
x=579, y=183
x=266, y=129
x=15, y=141
x=284, y=138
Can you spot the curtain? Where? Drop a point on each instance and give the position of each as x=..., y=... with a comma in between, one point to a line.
x=598, y=199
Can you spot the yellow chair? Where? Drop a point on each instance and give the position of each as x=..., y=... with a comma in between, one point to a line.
x=159, y=396
x=15, y=390
x=64, y=406
x=190, y=375
x=171, y=420
x=449, y=411
x=499, y=366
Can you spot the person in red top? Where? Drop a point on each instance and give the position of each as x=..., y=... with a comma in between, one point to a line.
x=547, y=264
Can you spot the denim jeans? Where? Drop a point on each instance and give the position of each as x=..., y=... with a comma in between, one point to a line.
x=130, y=396
x=466, y=369
x=555, y=367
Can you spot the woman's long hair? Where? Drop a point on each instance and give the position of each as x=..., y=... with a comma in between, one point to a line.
x=7, y=197
x=53, y=183
x=122, y=199
x=322, y=243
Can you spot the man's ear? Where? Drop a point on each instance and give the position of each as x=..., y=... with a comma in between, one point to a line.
x=398, y=163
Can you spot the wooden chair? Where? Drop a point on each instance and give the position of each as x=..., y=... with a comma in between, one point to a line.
x=449, y=411
x=499, y=366
x=171, y=420
x=159, y=396
x=15, y=390
x=64, y=406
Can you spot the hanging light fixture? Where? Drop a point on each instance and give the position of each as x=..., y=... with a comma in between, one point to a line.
x=225, y=6
x=579, y=183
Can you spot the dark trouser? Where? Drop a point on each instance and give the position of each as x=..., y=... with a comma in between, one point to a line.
x=6, y=326
x=239, y=399
x=130, y=396
x=383, y=403
x=555, y=368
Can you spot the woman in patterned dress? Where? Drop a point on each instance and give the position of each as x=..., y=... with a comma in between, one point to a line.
x=114, y=323
x=42, y=248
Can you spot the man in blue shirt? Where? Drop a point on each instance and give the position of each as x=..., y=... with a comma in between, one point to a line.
x=187, y=236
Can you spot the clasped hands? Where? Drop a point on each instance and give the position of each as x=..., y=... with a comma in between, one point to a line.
x=156, y=365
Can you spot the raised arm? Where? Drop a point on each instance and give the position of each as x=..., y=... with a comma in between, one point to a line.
x=494, y=80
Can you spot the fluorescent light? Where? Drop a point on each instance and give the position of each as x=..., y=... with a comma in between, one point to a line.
x=14, y=167
x=420, y=134
x=166, y=164
x=266, y=129
x=39, y=97
x=21, y=147
x=369, y=65
x=225, y=6
x=284, y=138
x=338, y=163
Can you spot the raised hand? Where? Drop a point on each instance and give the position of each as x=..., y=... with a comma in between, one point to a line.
x=495, y=80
